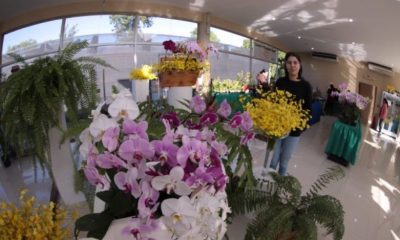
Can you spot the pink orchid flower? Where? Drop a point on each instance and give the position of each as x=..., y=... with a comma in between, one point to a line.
x=136, y=150
x=94, y=178
x=110, y=138
x=136, y=129
x=224, y=109
x=127, y=181
x=197, y=104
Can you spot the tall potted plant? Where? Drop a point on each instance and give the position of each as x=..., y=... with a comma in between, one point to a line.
x=33, y=98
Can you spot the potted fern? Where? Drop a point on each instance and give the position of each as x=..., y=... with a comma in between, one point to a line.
x=32, y=99
x=282, y=213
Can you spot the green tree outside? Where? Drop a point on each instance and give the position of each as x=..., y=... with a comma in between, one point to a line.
x=21, y=45
x=246, y=43
x=124, y=23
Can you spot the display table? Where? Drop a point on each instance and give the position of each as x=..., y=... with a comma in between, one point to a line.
x=344, y=142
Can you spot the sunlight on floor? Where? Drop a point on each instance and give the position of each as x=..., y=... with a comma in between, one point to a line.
x=379, y=196
x=372, y=144
x=388, y=186
x=395, y=237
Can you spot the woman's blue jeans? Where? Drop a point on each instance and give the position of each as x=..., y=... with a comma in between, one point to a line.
x=283, y=150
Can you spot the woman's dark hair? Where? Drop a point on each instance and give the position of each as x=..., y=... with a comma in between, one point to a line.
x=385, y=101
x=291, y=54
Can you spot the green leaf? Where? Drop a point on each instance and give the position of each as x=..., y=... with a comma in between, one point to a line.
x=123, y=205
x=93, y=221
x=106, y=196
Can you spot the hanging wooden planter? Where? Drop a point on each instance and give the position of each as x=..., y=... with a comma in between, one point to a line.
x=178, y=79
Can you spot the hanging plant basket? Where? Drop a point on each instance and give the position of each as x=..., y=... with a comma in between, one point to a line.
x=178, y=79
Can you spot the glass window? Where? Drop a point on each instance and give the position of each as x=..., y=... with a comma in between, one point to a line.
x=30, y=41
x=121, y=57
x=158, y=30
x=265, y=52
x=226, y=66
x=257, y=66
x=229, y=42
x=100, y=29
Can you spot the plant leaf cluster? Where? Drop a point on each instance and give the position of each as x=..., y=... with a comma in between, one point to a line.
x=281, y=212
x=33, y=98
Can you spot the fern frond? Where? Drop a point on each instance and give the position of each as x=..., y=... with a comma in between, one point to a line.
x=94, y=61
x=71, y=50
x=289, y=188
x=327, y=211
x=332, y=174
x=271, y=223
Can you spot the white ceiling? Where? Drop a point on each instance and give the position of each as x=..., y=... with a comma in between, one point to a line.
x=324, y=25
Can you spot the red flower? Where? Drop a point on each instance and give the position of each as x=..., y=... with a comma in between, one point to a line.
x=169, y=46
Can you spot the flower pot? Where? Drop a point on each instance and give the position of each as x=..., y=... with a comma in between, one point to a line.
x=178, y=79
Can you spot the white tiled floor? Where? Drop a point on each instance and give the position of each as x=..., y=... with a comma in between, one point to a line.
x=369, y=192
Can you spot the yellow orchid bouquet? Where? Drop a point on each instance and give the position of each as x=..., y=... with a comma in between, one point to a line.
x=31, y=222
x=146, y=72
x=277, y=113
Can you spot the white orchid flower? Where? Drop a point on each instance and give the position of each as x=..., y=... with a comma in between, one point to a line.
x=212, y=208
x=123, y=107
x=207, y=205
x=99, y=125
x=180, y=214
x=86, y=141
x=95, y=113
x=172, y=182
x=192, y=234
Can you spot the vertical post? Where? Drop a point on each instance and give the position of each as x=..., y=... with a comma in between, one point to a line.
x=203, y=37
x=251, y=59
x=62, y=35
x=104, y=85
x=1, y=49
x=1, y=54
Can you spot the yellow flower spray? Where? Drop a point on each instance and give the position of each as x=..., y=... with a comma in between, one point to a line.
x=30, y=222
x=143, y=73
x=277, y=113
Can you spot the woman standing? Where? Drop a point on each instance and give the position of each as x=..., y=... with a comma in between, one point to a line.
x=301, y=89
x=383, y=114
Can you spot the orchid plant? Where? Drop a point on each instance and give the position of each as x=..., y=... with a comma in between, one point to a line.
x=351, y=104
x=350, y=98
x=172, y=185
